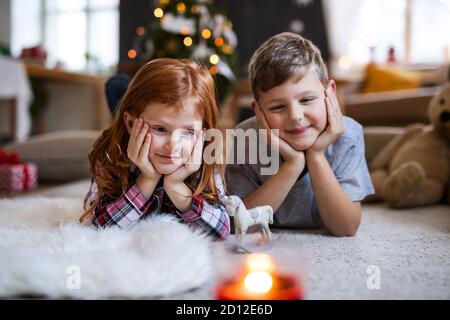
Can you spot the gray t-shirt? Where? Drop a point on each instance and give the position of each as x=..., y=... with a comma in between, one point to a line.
x=299, y=210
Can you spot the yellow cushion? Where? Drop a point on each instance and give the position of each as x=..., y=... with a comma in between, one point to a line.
x=381, y=79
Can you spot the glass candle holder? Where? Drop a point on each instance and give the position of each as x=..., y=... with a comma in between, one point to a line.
x=260, y=276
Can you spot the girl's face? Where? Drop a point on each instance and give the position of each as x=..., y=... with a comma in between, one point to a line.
x=174, y=131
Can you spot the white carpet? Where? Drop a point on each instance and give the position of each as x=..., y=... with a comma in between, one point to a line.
x=410, y=248
x=43, y=250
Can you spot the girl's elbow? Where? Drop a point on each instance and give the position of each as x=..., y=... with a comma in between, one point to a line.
x=222, y=236
x=226, y=234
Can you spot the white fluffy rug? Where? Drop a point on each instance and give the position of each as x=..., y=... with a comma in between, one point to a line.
x=43, y=249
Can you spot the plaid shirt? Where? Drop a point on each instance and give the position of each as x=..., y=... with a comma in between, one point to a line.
x=132, y=206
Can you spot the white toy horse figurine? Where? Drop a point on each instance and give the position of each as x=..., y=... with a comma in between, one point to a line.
x=245, y=218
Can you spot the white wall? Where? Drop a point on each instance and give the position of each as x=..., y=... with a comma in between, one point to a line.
x=5, y=21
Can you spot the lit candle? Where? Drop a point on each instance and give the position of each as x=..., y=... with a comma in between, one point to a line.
x=259, y=280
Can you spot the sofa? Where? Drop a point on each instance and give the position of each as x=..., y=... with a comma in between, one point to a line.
x=60, y=156
x=390, y=109
x=392, y=95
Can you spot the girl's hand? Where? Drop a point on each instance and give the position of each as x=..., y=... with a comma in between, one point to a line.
x=289, y=154
x=191, y=165
x=335, y=125
x=138, y=150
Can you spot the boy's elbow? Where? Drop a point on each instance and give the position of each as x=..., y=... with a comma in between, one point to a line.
x=347, y=232
x=353, y=231
x=350, y=229
x=352, y=226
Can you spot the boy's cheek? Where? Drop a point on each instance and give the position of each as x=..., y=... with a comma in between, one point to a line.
x=275, y=121
x=321, y=124
x=320, y=117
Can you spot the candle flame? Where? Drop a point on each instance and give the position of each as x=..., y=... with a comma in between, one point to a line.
x=258, y=282
x=259, y=262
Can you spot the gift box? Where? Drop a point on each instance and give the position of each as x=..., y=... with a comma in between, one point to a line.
x=16, y=176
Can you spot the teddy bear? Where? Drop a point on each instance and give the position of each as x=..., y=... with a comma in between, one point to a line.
x=413, y=169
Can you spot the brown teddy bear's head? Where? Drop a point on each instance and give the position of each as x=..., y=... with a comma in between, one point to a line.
x=439, y=111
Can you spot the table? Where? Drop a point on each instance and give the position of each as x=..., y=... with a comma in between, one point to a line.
x=96, y=83
x=16, y=91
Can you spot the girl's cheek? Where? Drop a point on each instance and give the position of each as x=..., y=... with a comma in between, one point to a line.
x=187, y=145
x=157, y=143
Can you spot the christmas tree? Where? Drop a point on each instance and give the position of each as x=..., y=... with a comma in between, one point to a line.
x=191, y=29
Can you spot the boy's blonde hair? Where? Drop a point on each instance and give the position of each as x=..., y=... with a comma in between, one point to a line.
x=282, y=56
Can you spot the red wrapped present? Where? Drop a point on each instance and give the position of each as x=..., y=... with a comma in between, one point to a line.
x=16, y=176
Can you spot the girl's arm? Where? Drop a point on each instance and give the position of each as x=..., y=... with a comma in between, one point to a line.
x=212, y=219
x=140, y=198
x=198, y=212
x=195, y=210
x=125, y=210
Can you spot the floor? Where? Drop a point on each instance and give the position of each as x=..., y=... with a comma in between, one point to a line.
x=395, y=255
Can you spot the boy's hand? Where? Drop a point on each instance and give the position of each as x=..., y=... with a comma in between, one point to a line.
x=191, y=165
x=335, y=126
x=289, y=154
x=138, y=149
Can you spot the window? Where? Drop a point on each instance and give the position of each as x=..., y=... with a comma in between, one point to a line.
x=379, y=25
x=25, y=24
x=416, y=29
x=81, y=34
x=430, y=30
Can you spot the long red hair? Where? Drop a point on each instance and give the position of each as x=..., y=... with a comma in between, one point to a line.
x=169, y=82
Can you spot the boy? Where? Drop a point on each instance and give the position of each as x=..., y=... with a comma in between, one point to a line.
x=323, y=174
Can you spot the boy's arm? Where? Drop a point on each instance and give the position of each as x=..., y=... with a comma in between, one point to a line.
x=340, y=215
x=282, y=182
x=284, y=179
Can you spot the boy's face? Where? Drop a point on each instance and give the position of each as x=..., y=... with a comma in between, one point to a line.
x=297, y=108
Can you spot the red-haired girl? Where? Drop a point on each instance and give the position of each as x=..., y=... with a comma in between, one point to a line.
x=150, y=159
